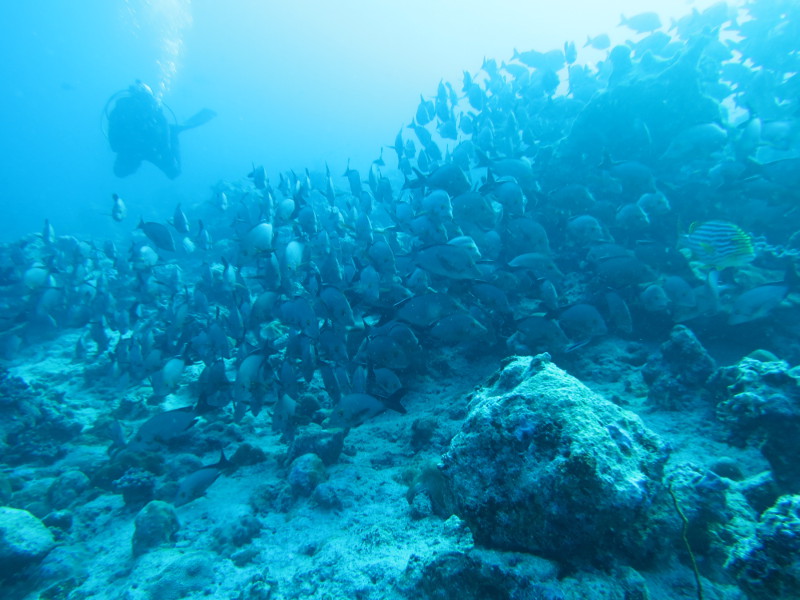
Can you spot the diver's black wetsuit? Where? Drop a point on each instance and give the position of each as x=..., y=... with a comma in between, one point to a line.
x=138, y=130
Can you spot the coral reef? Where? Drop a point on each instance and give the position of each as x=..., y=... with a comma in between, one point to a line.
x=545, y=465
x=156, y=524
x=767, y=565
x=676, y=376
x=760, y=402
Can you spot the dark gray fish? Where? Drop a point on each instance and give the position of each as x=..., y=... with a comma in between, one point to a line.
x=467, y=81
x=654, y=298
x=448, y=129
x=354, y=179
x=524, y=235
x=581, y=323
x=337, y=307
x=283, y=415
x=330, y=381
x=548, y=294
x=357, y=408
x=203, y=237
x=399, y=146
x=518, y=168
x=423, y=135
x=622, y=271
x=443, y=110
x=258, y=240
x=179, y=221
x=158, y=234
x=476, y=97
x=332, y=345
x=384, y=383
x=162, y=428
x=425, y=111
x=757, y=303
x=299, y=314
x=570, y=52
x=259, y=177
x=552, y=60
x=541, y=265
x=48, y=233
x=215, y=390
x=195, y=484
x=450, y=178
x=368, y=285
x=446, y=260
x=680, y=293
x=466, y=123
x=654, y=42
x=382, y=257
x=598, y=42
x=472, y=208
x=784, y=172
x=641, y=23
x=403, y=335
x=492, y=297
x=459, y=328
x=538, y=334
x=423, y=160
x=437, y=206
x=253, y=379
x=424, y=310
x=619, y=316
x=384, y=351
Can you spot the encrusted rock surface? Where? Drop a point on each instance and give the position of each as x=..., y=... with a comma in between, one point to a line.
x=760, y=401
x=544, y=465
x=24, y=540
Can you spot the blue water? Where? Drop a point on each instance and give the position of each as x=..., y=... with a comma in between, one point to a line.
x=295, y=85
x=632, y=221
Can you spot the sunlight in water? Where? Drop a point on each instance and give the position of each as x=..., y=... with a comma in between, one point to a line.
x=166, y=20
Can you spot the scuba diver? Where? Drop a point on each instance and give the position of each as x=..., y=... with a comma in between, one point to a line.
x=139, y=129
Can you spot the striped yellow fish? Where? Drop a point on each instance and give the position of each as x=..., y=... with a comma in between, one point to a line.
x=719, y=244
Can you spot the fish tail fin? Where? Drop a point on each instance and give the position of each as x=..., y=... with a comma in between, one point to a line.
x=393, y=402
x=483, y=159
x=223, y=462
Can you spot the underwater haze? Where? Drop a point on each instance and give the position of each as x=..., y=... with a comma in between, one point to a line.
x=400, y=300
x=295, y=85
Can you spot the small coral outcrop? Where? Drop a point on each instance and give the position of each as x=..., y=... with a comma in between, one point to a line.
x=760, y=401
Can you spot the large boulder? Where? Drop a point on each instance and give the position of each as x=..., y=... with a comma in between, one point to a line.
x=156, y=524
x=676, y=376
x=544, y=465
x=24, y=540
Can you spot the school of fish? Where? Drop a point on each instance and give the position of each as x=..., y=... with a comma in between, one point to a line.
x=539, y=205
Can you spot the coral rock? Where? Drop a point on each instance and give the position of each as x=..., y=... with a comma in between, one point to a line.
x=545, y=465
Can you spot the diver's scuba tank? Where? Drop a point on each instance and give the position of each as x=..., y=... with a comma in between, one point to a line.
x=142, y=90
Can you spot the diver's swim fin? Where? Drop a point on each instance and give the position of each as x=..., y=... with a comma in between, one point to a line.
x=204, y=116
